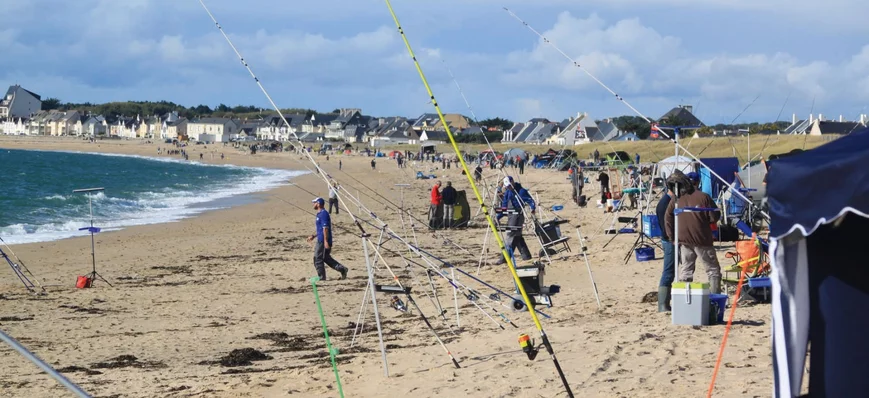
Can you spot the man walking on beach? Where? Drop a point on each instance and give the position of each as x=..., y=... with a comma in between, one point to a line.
x=436, y=200
x=333, y=198
x=695, y=235
x=323, y=244
x=448, y=196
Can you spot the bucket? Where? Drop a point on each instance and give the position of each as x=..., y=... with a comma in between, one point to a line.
x=83, y=282
x=646, y=253
x=720, y=301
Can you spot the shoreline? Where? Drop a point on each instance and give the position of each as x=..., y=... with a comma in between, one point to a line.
x=221, y=200
x=139, y=149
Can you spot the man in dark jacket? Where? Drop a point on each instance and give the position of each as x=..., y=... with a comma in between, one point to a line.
x=448, y=197
x=515, y=197
x=669, y=273
x=695, y=235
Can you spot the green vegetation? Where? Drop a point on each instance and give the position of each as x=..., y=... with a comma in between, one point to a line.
x=149, y=108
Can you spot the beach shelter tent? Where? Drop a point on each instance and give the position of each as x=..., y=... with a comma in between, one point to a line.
x=513, y=152
x=669, y=165
x=461, y=213
x=724, y=167
x=819, y=203
x=428, y=148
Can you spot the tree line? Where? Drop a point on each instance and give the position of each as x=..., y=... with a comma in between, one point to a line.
x=150, y=108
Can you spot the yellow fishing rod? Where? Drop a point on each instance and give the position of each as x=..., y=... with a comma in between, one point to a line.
x=507, y=258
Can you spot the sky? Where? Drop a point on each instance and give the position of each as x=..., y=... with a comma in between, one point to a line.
x=773, y=57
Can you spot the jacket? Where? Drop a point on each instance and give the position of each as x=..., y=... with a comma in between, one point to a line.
x=436, y=198
x=448, y=196
x=693, y=226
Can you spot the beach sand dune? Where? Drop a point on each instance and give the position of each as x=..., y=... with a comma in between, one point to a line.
x=220, y=306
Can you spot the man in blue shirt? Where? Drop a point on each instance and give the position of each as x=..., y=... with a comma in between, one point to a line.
x=669, y=273
x=514, y=198
x=323, y=244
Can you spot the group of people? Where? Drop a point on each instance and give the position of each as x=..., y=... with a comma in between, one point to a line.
x=695, y=235
x=447, y=198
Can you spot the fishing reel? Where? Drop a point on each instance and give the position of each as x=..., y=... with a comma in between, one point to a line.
x=398, y=304
x=528, y=346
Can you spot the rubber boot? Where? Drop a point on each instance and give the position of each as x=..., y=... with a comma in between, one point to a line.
x=715, y=285
x=664, y=299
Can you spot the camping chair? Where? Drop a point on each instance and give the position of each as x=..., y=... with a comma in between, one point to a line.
x=551, y=239
x=757, y=270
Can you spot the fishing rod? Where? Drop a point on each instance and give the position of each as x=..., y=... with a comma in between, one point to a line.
x=22, y=267
x=502, y=172
x=507, y=257
x=673, y=139
x=384, y=227
x=322, y=173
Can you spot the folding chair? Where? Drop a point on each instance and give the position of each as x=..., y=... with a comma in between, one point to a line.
x=751, y=254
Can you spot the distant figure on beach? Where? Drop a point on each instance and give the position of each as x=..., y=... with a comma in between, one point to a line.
x=478, y=173
x=333, y=198
x=323, y=244
x=373, y=164
x=436, y=200
x=340, y=164
x=448, y=196
x=200, y=156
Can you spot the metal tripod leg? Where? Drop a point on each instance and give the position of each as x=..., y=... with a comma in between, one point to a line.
x=374, y=303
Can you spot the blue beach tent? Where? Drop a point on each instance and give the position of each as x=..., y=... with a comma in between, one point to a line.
x=819, y=205
x=724, y=167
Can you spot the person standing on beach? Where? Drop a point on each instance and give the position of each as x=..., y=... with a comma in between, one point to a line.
x=333, y=198
x=669, y=273
x=373, y=164
x=448, y=196
x=340, y=164
x=323, y=244
x=436, y=200
x=695, y=236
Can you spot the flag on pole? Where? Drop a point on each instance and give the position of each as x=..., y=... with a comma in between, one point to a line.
x=655, y=131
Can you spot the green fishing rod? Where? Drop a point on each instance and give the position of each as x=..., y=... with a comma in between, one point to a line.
x=528, y=304
x=332, y=351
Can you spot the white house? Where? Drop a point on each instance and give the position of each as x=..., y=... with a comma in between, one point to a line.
x=94, y=126
x=19, y=102
x=14, y=126
x=211, y=129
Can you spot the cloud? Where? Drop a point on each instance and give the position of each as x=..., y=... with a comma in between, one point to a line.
x=341, y=53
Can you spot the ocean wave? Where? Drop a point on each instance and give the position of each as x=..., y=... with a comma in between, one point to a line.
x=167, y=204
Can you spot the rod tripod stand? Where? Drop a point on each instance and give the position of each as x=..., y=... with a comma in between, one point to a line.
x=642, y=240
x=93, y=275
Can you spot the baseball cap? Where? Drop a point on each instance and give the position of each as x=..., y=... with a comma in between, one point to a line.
x=319, y=200
x=508, y=180
x=693, y=176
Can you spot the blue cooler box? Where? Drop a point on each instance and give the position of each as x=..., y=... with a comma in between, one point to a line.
x=651, y=227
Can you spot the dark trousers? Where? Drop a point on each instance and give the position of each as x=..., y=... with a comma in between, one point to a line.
x=334, y=202
x=323, y=257
x=514, y=236
x=521, y=168
x=669, y=273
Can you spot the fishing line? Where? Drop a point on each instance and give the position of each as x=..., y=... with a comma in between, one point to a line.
x=384, y=227
x=626, y=103
x=277, y=109
x=507, y=257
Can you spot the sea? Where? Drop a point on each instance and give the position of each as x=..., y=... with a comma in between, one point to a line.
x=37, y=202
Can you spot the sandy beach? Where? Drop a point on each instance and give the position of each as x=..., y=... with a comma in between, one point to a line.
x=188, y=293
